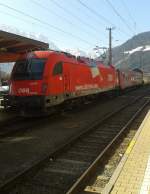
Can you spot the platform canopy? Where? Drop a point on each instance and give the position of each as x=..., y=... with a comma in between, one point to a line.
x=13, y=46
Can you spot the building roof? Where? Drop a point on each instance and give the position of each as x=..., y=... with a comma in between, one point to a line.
x=13, y=45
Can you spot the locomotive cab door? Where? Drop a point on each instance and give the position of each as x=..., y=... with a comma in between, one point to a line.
x=66, y=79
x=57, y=79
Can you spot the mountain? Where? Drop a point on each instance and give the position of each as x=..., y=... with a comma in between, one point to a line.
x=134, y=53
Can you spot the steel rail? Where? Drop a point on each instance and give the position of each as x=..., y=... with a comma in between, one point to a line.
x=79, y=185
x=7, y=185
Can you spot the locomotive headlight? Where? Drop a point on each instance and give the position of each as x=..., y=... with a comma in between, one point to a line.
x=44, y=87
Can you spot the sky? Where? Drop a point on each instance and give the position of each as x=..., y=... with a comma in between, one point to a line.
x=77, y=24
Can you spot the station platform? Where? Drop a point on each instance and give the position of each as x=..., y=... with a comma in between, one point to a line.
x=132, y=175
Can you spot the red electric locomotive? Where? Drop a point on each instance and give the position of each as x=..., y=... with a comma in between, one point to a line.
x=43, y=79
x=46, y=78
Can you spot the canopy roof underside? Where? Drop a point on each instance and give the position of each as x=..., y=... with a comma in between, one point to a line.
x=13, y=46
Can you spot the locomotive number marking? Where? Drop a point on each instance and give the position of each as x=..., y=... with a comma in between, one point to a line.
x=23, y=90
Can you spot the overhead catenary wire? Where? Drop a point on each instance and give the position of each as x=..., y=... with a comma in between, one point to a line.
x=59, y=29
x=95, y=13
x=16, y=17
x=27, y=21
x=129, y=13
x=37, y=3
x=47, y=24
x=75, y=16
x=85, y=23
x=64, y=18
x=101, y=17
x=20, y=19
x=118, y=14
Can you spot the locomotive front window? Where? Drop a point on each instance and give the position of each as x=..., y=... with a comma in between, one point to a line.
x=28, y=69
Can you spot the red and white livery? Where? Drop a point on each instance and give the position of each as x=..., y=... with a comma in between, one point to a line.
x=47, y=78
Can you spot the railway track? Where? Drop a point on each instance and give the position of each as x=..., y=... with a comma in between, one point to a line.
x=101, y=160
x=18, y=123
x=12, y=126
x=100, y=181
x=67, y=169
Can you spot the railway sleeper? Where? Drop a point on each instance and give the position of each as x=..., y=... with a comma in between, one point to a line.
x=103, y=131
x=113, y=125
x=86, y=150
x=87, y=143
x=83, y=146
x=49, y=183
x=103, y=140
x=78, y=156
x=67, y=164
x=102, y=136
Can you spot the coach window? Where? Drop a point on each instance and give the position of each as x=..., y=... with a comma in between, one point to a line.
x=58, y=68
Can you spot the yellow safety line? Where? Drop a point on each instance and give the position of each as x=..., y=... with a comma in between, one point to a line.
x=129, y=148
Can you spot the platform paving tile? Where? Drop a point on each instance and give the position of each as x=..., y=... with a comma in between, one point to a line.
x=134, y=177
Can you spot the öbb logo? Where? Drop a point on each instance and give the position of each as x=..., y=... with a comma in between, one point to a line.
x=23, y=90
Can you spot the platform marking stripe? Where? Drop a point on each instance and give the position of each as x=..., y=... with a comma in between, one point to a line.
x=130, y=147
x=146, y=181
